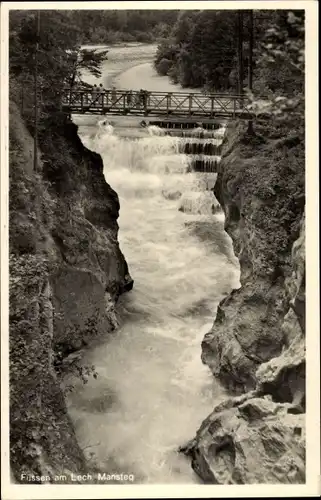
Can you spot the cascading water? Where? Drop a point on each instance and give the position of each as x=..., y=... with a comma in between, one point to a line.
x=152, y=391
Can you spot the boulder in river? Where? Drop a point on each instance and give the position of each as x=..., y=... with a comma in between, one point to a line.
x=248, y=440
x=171, y=195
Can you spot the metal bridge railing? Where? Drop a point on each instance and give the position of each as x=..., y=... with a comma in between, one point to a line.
x=136, y=102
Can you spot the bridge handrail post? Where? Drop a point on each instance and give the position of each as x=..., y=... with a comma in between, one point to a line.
x=190, y=103
x=146, y=98
x=242, y=101
x=212, y=105
x=145, y=101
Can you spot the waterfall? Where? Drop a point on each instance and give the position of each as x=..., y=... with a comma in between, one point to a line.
x=152, y=391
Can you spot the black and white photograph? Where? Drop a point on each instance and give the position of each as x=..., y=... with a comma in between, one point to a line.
x=155, y=327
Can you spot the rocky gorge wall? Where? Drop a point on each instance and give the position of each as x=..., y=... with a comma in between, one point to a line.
x=66, y=273
x=256, y=347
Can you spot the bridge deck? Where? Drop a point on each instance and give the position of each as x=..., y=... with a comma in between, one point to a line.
x=176, y=104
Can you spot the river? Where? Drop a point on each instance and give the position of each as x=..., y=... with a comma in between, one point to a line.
x=152, y=390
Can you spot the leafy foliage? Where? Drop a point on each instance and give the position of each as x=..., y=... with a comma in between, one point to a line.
x=112, y=26
x=202, y=50
x=27, y=273
x=279, y=79
x=280, y=53
x=86, y=59
x=50, y=44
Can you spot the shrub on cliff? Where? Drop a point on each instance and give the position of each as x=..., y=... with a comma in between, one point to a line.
x=278, y=88
x=164, y=66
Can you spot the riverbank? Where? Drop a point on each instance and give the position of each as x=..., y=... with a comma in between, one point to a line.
x=120, y=58
x=66, y=274
x=256, y=347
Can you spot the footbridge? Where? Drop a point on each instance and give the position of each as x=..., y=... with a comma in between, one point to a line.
x=182, y=105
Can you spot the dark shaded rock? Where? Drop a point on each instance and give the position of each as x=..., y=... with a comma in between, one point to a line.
x=264, y=226
x=67, y=272
x=256, y=347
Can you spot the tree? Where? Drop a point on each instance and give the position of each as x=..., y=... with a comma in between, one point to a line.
x=86, y=59
x=279, y=77
x=203, y=52
x=202, y=48
x=112, y=26
x=60, y=57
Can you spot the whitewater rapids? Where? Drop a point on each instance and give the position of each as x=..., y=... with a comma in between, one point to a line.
x=152, y=390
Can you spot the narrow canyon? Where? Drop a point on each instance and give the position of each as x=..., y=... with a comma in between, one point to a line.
x=157, y=313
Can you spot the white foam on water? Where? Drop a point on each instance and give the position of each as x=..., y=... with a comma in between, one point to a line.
x=154, y=130
x=193, y=140
x=198, y=202
x=152, y=389
x=207, y=158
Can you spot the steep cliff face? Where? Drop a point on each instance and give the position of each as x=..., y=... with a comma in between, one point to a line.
x=66, y=273
x=256, y=346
